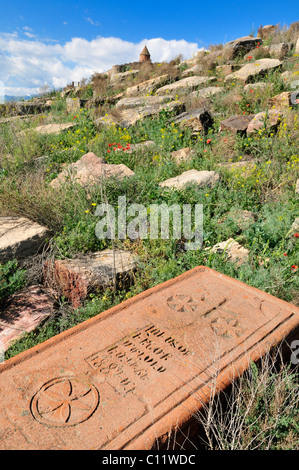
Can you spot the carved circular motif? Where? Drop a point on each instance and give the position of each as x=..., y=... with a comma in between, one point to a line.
x=64, y=401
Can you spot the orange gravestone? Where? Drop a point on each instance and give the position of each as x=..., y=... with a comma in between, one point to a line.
x=132, y=375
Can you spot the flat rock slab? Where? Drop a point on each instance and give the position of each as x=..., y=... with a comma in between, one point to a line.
x=90, y=170
x=134, y=376
x=129, y=117
x=48, y=129
x=54, y=128
x=149, y=86
x=78, y=277
x=237, y=123
x=200, y=178
x=259, y=67
x=140, y=101
x=20, y=237
x=25, y=312
x=185, y=85
x=207, y=92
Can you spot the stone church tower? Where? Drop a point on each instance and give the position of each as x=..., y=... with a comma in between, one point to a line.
x=145, y=55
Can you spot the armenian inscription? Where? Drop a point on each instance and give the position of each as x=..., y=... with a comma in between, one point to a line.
x=136, y=357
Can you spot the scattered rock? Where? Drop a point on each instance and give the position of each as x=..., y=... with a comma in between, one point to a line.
x=20, y=237
x=25, y=311
x=250, y=71
x=148, y=87
x=269, y=120
x=129, y=117
x=257, y=86
x=37, y=107
x=90, y=170
x=201, y=178
x=185, y=85
x=297, y=47
x=195, y=70
x=182, y=155
x=234, y=252
x=297, y=187
x=236, y=124
x=239, y=47
x=76, y=278
x=242, y=218
x=117, y=78
x=142, y=101
x=198, y=120
x=241, y=168
x=265, y=32
x=279, y=51
x=52, y=128
x=207, y=92
x=227, y=68
x=281, y=101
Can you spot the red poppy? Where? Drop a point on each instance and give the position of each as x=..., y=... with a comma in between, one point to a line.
x=296, y=235
x=209, y=141
x=294, y=267
x=285, y=254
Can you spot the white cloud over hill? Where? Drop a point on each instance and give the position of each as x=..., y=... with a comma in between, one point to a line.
x=28, y=64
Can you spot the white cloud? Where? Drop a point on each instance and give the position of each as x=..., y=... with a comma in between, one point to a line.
x=29, y=64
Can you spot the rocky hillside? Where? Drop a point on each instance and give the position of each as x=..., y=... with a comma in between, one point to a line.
x=219, y=129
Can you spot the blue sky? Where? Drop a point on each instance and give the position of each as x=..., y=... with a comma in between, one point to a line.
x=57, y=42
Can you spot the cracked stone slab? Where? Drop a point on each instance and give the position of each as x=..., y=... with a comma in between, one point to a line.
x=25, y=312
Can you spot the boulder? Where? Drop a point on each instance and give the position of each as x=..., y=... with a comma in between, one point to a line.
x=279, y=51
x=232, y=250
x=239, y=47
x=262, y=120
x=265, y=32
x=297, y=47
x=20, y=238
x=148, y=87
x=237, y=124
x=118, y=78
x=90, y=170
x=77, y=278
x=281, y=101
x=129, y=117
x=195, y=70
x=198, y=120
x=254, y=69
x=182, y=155
x=200, y=178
